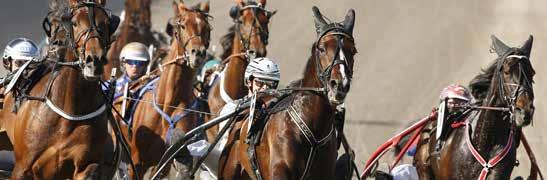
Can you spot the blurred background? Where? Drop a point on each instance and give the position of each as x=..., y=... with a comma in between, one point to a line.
x=408, y=51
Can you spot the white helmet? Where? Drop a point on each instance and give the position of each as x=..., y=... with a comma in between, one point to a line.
x=135, y=51
x=263, y=68
x=21, y=48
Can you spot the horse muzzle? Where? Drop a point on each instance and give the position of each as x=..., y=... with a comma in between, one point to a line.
x=196, y=57
x=523, y=117
x=337, y=91
x=92, y=68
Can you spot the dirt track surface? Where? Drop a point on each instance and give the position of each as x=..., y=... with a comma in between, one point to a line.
x=407, y=52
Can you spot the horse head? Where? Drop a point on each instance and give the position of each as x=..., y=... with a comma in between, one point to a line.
x=515, y=74
x=82, y=30
x=191, y=29
x=334, y=51
x=251, y=21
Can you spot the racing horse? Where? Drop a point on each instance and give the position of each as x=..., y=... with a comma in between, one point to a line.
x=247, y=38
x=485, y=145
x=59, y=127
x=136, y=27
x=297, y=140
x=163, y=113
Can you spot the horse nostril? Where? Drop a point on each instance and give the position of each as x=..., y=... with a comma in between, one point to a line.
x=88, y=59
x=333, y=83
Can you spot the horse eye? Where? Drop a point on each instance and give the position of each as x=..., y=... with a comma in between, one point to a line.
x=321, y=49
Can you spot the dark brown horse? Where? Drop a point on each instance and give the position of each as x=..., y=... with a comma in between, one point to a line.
x=136, y=27
x=298, y=138
x=162, y=115
x=59, y=130
x=247, y=37
x=486, y=146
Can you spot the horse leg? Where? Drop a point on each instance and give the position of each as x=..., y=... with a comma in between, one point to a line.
x=22, y=170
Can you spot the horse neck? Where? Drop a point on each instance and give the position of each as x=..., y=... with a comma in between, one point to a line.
x=310, y=77
x=176, y=81
x=492, y=128
x=235, y=71
x=321, y=120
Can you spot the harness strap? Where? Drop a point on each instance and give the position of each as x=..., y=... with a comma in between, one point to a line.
x=223, y=94
x=492, y=162
x=176, y=118
x=310, y=137
x=59, y=111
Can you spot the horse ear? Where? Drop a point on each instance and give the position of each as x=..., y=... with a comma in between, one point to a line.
x=205, y=6
x=240, y=3
x=349, y=21
x=262, y=3
x=318, y=19
x=527, y=46
x=73, y=2
x=269, y=14
x=498, y=46
x=179, y=7
x=176, y=8
x=102, y=2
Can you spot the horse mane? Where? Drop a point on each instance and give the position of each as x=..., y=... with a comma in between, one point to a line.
x=60, y=8
x=480, y=84
x=227, y=42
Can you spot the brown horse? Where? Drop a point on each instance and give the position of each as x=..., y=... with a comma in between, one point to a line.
x=162, y=115
x=136, y=27
x=297, y=140
x=485, y=147
x=60, y=129
x=247, y=38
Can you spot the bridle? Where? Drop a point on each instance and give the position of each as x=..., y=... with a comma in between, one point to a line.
x=324, y=75
x=66, y=24
x=177, y=25
x=524, y=85
x=262, y=33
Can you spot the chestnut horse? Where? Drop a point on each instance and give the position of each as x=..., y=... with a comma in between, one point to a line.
x=298, y=138
x=488, y=148
x=247, y=38
x=136, y=27
x=162, y=114
x=60, y=128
